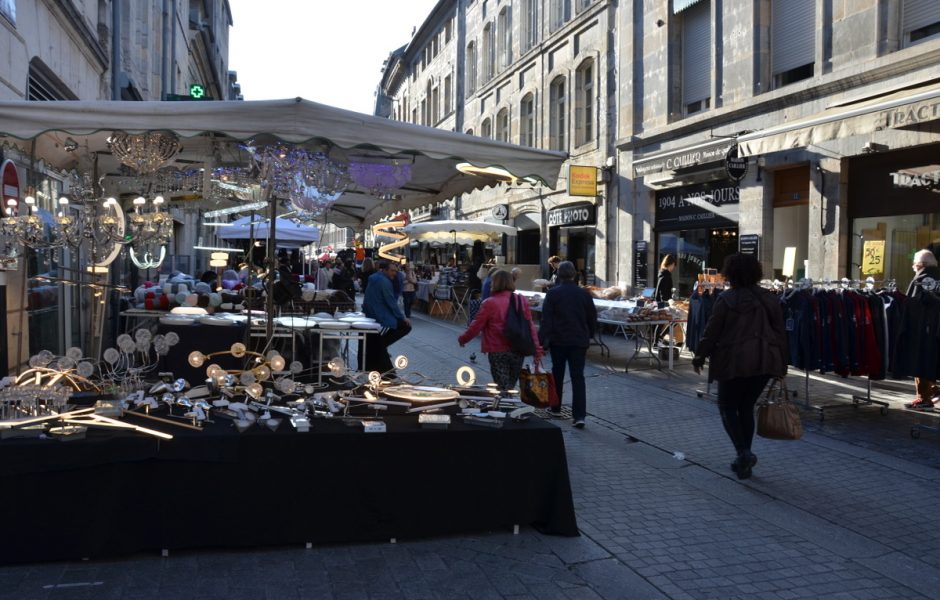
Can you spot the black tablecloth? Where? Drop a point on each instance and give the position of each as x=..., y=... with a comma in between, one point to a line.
x=206, y=339
x=116, y=493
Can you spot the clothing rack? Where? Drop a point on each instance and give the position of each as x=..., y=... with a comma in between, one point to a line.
x=867, y=284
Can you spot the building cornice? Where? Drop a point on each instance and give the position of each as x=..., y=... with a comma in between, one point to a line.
x=75, y=21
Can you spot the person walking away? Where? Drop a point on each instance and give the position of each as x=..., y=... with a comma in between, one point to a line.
x=505, y=364
x=925, y=266
x=569, y=322
x=745, y=344
x=409, y=289
x=380, y=304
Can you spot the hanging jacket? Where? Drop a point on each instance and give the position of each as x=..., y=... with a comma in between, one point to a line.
x=744, y=336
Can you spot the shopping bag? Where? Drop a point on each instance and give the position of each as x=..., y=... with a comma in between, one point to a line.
x=777, y=417
x=517, y=329
x=537, y=388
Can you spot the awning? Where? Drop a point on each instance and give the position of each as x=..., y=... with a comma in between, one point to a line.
x=67, y=134
x=463, y=232
x=287, y=233
x=689, y=156
x=900, y=110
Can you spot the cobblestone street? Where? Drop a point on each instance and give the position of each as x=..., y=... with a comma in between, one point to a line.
x=838, y=514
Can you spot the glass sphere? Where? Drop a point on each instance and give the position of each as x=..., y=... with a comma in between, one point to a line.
x=196, y=359
x=238, y=349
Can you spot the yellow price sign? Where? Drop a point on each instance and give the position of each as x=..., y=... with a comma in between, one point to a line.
x=873, y=257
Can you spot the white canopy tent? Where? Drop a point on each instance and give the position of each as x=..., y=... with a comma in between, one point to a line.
x=288, y=234
x=73, y=135
x=460, y=232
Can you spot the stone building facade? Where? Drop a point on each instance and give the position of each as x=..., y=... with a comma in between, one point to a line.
x=829, y=110
x=531, y=73
x=67, y=50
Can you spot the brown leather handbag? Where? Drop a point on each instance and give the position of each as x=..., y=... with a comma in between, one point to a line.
x=777, y=417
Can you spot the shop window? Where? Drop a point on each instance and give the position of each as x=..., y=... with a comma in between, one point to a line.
x=527, y=121
x=920, y=20
x=471, y=68
x=559, y=12
x=502, y=125
x=489, y=52
x=504, y=31
x=585, y=131
x=696, y=57
x=902, y=236
x=558, y=115
x=530, y=24
x=792, y=41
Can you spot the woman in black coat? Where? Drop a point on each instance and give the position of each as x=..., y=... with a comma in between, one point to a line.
x=664, y=281
x=746, y=344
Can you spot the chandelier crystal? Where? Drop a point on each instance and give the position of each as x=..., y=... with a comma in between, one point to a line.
x=144, y=152
x=380, y=179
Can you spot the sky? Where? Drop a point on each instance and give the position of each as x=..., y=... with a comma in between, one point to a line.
x=328, y=51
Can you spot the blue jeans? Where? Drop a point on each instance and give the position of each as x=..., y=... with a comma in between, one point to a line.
x=573, y=358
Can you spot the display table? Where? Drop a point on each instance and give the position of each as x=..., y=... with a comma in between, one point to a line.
x=118, y=493
x=643, y=334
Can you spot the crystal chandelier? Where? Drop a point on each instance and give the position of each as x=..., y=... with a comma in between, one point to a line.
x=144, y=152
x=380, y=179
x=148, y=232
x=310, y=181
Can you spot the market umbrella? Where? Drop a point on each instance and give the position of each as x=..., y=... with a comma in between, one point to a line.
x=288, y=234
x=459, y=232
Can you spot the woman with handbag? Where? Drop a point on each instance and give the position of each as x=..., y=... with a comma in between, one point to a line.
x=505, y=365
x=745, y=344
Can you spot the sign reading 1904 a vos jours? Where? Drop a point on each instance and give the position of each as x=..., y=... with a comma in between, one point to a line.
x=696, y=206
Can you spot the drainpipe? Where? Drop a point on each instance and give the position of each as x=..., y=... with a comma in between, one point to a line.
x=165, y=49
x=173, y=46
x=116, y=49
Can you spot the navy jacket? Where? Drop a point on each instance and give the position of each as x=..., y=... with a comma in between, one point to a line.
x=569, y=317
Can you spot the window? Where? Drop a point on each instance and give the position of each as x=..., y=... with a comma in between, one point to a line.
x=489, y=52
x=448, y=95
x=558, y=115
x=584, y=104
x=530, y=24
x=471, y=68
x=559, y=11
x=486, y=129
x=448, y=30
x=920, y=19
x=504, y=31
x=43, y=84
x=435, y=106
x=428, y=109
x=527, y=121
x=502, y=125
x=469, y=132
x=414, y=115
x=582, y=4
x=696, y=57
x=792, y=41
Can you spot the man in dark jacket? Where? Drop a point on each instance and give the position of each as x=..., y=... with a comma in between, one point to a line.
x=925, y=267
x=569, y=321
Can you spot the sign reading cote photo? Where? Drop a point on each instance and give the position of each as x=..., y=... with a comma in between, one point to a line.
x=583, y=214
x=696, y=206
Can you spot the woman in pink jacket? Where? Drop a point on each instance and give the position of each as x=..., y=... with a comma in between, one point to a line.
x=505, y=364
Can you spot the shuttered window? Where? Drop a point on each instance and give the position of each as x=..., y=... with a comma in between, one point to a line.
x=920, y=19
x=696, y=56
x=793, y=35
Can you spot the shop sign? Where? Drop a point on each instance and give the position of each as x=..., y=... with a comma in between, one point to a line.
x=11, y=181
x=584, y=214
x=749, y=244
x=909, y=179
x=500, y=211
x=682, y=159
x=873, y=257
x=910, y=114
x=640, y=252
x=582, y=181
x=697, y=206
x=735, y=166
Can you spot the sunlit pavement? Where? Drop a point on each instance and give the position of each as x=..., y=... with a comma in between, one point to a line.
x=842, y=513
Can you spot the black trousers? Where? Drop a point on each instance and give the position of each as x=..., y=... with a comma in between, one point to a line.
x=377, y=358
x=736, y=399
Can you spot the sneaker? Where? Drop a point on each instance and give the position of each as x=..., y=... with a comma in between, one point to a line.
x=579, y=423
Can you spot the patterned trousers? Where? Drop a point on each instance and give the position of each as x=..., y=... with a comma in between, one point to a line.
x=505, y=368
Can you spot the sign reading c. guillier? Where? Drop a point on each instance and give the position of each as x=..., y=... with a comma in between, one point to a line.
x=582, y=181
x=582, y=214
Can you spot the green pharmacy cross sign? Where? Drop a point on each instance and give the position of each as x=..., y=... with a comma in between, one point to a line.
x=197, y=91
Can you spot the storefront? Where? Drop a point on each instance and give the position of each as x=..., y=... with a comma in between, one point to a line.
x=572, y=235
x=698, y=224
x=894, y=210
